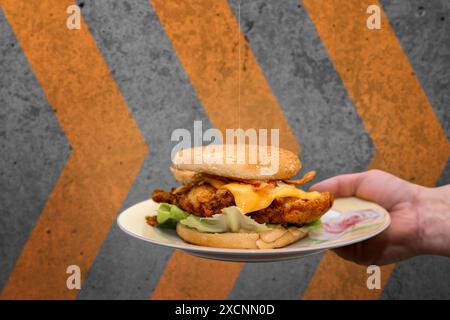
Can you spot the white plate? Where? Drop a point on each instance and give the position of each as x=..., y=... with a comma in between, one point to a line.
x=350, y=220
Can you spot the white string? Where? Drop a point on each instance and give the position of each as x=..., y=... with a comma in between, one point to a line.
x=239, y=65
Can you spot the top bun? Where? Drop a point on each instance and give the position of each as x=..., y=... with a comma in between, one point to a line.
x=238, y=161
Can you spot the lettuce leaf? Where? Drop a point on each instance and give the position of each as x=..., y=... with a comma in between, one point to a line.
x=216, y=224
x=231, y=220
x=168, y=215
x=236, y=221
x=313, y=225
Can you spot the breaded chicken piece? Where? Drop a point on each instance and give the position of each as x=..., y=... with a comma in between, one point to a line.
x=294, y=210
x=204, y=200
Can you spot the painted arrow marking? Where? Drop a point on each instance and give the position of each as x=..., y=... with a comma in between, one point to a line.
x=108, y=149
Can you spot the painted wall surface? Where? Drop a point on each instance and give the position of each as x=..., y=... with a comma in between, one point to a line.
x=86, y=117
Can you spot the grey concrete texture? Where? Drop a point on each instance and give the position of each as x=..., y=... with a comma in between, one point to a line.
x=423, y=29
x=445, y=176
x=33, y=148
x=424, y=277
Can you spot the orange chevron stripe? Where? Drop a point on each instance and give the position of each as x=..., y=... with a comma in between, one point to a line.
x=206, y=37
x=188, y=277
x=409, y=139
x=108, y=149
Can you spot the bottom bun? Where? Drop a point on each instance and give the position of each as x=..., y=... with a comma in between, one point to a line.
x=271, y=239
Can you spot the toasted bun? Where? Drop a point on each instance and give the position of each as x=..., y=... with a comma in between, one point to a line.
x=186, y=176
x=233, y=161
x=271, y=239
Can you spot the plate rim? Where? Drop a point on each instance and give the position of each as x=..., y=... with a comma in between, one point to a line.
x=185, y=246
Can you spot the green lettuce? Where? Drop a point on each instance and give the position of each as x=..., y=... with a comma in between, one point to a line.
x=168, y=215
x=231, y=220
x=236, y=221
x=211, y=224
x=313, y=225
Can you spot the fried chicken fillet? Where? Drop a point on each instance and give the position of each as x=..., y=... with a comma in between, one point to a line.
x=204, y=200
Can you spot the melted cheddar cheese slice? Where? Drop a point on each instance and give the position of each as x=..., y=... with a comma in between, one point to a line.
x=249, y=200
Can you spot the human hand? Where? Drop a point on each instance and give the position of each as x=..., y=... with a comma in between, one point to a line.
x=420, y=217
